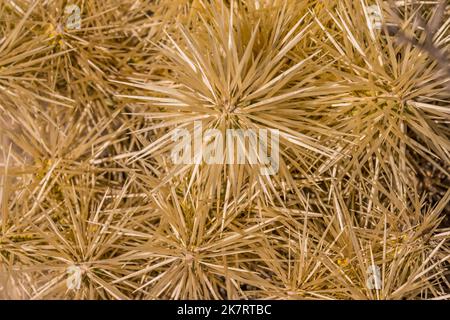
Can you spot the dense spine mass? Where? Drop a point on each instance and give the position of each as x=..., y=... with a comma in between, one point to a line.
x=92, y=205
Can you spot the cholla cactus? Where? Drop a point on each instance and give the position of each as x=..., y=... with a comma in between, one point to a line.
x=92, y=205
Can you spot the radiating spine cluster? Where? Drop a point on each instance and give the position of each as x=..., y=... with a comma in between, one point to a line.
x=92, y=205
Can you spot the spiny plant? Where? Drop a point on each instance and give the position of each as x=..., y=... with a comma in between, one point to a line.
x=230, y=74
x=93, y=207
x=394, y=92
